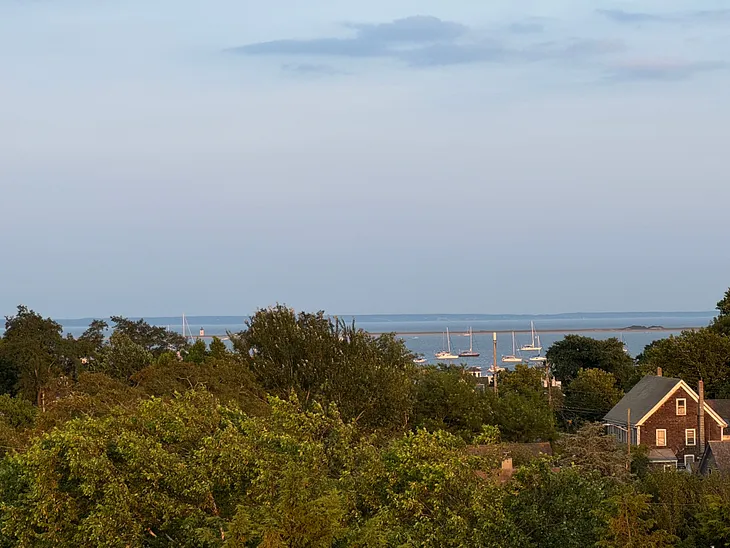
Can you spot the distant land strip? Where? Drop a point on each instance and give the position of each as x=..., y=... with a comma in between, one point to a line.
x=637, y=329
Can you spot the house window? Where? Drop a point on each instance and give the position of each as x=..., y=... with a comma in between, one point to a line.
x=661, y=438
x=690, y=437
x=681, y=406
x=668, y=467
x=689, y=460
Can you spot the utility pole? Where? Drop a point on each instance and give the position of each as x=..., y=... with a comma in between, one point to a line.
x=628, y=438
x=494, y=362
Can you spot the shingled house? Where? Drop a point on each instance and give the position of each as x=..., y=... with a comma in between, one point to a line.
x=665, y=415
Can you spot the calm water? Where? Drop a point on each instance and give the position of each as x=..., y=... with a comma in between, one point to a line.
x=551, y=328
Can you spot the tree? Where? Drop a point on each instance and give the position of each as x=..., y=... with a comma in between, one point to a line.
x=691, y=356
x=591, y=450
x=555, y=509
x=521, y=380
x=370, y=379
x=122, y=357
x=524, y=418
x=32, y=353
x=446, y=398
x=721, y=323
x=91, y=343
x=591, y=395
x=218, y=349
x=197, y=352
x=576, y=352
x=228, y=379
x=154, y=339
x=424, y=490
x=626, y=523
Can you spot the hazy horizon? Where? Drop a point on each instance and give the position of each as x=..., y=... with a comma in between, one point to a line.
x=376, y=157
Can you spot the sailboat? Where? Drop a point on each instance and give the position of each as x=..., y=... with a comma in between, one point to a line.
x=446, y=354
x=471, y=353
x=512, y=358
x=532, y=347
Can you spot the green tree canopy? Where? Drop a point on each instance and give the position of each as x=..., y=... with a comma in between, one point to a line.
x=154, y=339
x=575, y=352
x=32, y=353
x=691, y=356
x=370, y=379
x=591, y=395
x=721, y=323
x=447, y=398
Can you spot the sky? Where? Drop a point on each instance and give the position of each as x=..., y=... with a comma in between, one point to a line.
x=161, y=157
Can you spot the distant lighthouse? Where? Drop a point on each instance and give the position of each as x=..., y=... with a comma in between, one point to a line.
x=202, y=332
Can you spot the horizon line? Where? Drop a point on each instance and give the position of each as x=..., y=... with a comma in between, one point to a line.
x=516, y=314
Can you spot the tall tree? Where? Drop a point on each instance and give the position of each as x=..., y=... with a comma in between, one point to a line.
x=591, y=395
x=32, y=353
x=721, y=323
x=691, y=356
x=370, y=379
x=575, y=352
x=447, y=398
x=154, y=339
x=122, y=357
x=628, y=524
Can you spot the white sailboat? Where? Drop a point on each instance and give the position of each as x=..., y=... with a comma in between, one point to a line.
x=446, y=354
x=532, y=347
x=513, y=357
x=471, y=353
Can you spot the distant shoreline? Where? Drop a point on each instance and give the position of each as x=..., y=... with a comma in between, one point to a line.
x=557, y=330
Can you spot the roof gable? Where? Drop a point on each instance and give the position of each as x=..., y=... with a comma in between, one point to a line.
x=649, y=394
x=722, y=407
x=721, y=453
x=642, y=398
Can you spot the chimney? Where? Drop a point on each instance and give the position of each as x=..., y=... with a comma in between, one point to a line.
x=658, y=371
x=701, y=417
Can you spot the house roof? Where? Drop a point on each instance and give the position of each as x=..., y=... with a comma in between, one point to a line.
x=722, y=407
x=662, y=454
x=648, y=394
x=641, y=399
x=721, y=453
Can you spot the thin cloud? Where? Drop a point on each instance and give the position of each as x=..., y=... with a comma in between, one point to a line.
x=424, y=41
x=621, y=16
x=370, y=40
x=416, y=29
x=685, y=17
x=312, y=69
x=661, y=70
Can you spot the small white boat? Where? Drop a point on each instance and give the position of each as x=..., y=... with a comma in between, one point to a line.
x=538, y=359
x=513, y=358
x=534, y=346
x=420, y=360
x=446, y=354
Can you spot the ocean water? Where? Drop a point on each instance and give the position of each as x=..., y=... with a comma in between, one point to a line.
x=424, y=333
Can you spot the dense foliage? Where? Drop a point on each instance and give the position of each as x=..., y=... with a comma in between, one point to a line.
x=307, y=432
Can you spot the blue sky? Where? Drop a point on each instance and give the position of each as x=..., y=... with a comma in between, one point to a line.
x=160, y=157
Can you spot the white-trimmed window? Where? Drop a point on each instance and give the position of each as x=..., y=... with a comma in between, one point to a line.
x=690, y=436
x=681, y=406
x=661, y=438
x=689, y=460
